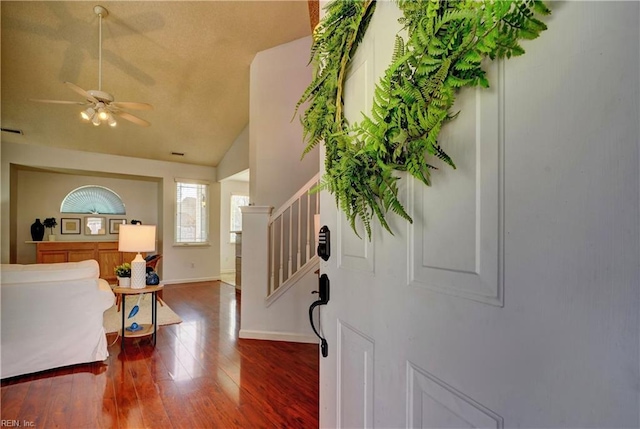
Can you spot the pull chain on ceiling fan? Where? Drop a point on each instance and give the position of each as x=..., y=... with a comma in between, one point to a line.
x=101, y=105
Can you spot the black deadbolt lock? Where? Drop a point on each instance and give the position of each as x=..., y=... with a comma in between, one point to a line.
x=324, y=243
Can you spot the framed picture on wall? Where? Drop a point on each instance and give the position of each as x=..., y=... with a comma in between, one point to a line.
x=114, y=225
x=95, y=225
x=70, y=225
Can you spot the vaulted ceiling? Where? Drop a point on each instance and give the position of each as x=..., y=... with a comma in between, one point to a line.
x=190, y=60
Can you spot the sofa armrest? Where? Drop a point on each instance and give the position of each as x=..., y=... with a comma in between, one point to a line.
x=107, y=292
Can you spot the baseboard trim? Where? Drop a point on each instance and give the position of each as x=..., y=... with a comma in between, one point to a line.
x=176, y=281
x=277, y=336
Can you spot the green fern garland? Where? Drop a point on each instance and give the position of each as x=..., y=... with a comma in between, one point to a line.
x=446, y=43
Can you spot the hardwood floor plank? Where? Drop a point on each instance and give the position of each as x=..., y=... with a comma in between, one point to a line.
x=152, y=408
x=178, y=409
x=128, y=406
x=59, y=410
x=108, y=418
x=83, y=398
x=226, y=411
x=12, y=398
x=199, y=375
x=35, y=402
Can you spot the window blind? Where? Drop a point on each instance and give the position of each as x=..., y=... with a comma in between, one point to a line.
x=192, y=213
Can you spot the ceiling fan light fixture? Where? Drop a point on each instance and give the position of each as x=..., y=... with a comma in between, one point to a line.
x=88, y=114
x=103, y=114
x=102, y=103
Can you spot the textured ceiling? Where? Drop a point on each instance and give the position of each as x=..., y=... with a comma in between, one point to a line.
x=190, y=60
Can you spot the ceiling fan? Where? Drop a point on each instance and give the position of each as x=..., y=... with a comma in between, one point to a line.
x=101, y=105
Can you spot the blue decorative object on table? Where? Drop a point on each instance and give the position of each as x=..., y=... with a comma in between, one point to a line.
x=152, y=278
x=135, y=308
x=134, y=327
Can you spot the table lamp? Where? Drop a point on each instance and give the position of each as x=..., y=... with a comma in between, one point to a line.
x=137, y=238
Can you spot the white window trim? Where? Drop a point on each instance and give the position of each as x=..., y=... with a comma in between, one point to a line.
x=206, y=243
x=231, y=231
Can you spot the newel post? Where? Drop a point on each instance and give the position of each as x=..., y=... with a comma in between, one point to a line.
x=255, y=264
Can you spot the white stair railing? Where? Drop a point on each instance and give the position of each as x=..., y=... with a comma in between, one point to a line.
x=291, y=235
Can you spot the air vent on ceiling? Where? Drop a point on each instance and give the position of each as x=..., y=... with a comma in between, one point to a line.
x=11, y=130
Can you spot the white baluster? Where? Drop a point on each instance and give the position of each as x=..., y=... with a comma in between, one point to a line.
x=272, y=256
x=280, y=271
x=290, y=241
x=308, y=228
x=299, y=238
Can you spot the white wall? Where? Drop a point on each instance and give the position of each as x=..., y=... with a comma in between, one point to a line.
x=180, y=264
x=40, y=193
x=279, y=76
x=228, y=249
x=237, y=157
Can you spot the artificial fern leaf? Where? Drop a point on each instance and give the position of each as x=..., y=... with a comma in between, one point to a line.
x=443, y=52
x=541, y=8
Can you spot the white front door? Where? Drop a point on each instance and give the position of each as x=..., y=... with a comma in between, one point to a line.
x=512, y=301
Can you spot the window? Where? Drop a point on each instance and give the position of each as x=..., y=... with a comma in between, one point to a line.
x=237, y=201
x=192, y=213
x=92, y=199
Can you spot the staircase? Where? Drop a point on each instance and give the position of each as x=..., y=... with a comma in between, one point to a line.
x=279, y=260
x=292, y=240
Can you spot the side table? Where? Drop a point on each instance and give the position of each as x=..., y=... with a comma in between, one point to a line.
x=147, y=328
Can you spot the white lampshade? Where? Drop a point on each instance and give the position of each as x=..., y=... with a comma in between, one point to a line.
x=137, y=238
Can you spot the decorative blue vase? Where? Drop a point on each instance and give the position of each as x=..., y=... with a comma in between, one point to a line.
x=152, y=278
x=37, y=230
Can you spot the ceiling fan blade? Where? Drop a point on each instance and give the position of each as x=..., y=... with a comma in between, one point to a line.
x=131, y=118
x=131, y=105
x=81, y=103
x=81, y=91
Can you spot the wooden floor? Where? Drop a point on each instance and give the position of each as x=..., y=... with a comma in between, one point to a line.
x=200, y=375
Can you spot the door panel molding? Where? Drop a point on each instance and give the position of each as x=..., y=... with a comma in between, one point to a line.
x=353, y=252
x=464, y=210
x=433, y=403
x=354, y=377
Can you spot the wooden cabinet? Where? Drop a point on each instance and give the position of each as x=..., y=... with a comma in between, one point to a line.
x=105, y=252
x=53, y=257
x=80, y=255
x=49, y=252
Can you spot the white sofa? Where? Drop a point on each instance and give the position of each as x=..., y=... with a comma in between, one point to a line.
x=52, y=316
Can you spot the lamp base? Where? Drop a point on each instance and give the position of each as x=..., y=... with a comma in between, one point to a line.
x=138, y=273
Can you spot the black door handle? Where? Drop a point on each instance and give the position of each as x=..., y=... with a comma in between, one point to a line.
x=323, y=292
